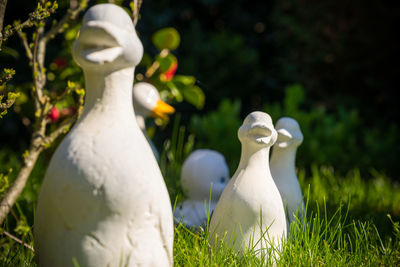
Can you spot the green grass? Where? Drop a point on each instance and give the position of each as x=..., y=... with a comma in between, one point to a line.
x=351, y=220
x=341, y=229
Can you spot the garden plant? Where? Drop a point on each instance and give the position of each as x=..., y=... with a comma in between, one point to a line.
x=347, y=166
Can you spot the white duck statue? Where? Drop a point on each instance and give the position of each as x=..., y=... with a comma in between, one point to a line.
x=103, y=201
x=250, y=213
x=147, y=102
x=203, y=170
x=283, y=169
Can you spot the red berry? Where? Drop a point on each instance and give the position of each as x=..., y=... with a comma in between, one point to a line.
x=54, y=115
x=60, y=62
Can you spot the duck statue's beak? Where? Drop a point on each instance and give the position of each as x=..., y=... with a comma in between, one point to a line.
x=162, y=110
x=285, y=138
x=262, y=134
x=99, y=42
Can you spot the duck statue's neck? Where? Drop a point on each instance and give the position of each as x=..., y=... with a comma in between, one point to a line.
x=283, y=158
x=108, y=91
x=254, y=157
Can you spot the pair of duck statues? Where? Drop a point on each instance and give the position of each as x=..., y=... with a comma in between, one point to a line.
x=103, y=201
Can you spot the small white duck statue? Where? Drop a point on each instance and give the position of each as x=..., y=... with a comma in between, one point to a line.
x=203, y=170
x=103, y=201
x=147, y=102
x=283, y=169
x=250, y=213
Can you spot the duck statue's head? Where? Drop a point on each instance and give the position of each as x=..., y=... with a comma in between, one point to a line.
x=257, y=130
x=107, y=40
x=147, y=101
x=289, y=133
x=204, y=170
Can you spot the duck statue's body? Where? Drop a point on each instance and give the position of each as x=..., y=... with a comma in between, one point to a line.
x=204, y=176
x=103, y=201
x=283, y=169
x=250, y=213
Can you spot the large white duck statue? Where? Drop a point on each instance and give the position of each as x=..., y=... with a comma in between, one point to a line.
x=203, y=170
x=250, y=213
x=283, y=169
x=147, y=102
x=103, y=201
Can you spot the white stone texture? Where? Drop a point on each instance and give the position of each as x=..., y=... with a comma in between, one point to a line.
x=250, y=213
x=204, y=176
x=103, y=201
x=283, y=169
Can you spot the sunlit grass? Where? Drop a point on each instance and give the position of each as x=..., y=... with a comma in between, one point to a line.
x=351, y=221
x=324, y=240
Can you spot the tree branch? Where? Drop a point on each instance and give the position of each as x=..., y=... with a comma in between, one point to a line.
x=16, y=188
x=7, y=104
x=36, y=73
x=137, y=4
x=154, y=67
x=74, y=9
x=3, y=4
x=8, y=32
x=18, y=240
x=24, y=41
x=60, y=130
x=39, y=140
x=35, y=16
x=8, y=74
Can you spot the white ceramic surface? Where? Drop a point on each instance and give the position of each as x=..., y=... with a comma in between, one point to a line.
x=283, y=169
x=250, y=212
x=147, y=102
x=103, y=201
x=203, y=170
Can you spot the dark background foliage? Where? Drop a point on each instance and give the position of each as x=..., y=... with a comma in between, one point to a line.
x=342, y=54
x=340, y=51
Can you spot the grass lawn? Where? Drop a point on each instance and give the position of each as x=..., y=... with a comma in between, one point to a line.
x=351, y=221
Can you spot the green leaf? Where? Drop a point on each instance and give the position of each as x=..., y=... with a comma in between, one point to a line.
x=11, y=52
x=71, y=34
x=9, y=71
x=146, y=60
x=166, y=61
x=175, y=91
x=71, y=84
x=22, y=228
x=26, y=154
x=22, y=99
x=194, y=95
x=80, y=92
x=186, y=80
x=12, y=95
x=3, y=113
x=166, y=38
x=67, y=72
x=4, y=181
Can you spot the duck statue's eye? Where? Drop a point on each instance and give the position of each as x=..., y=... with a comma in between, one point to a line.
x=222, y=180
